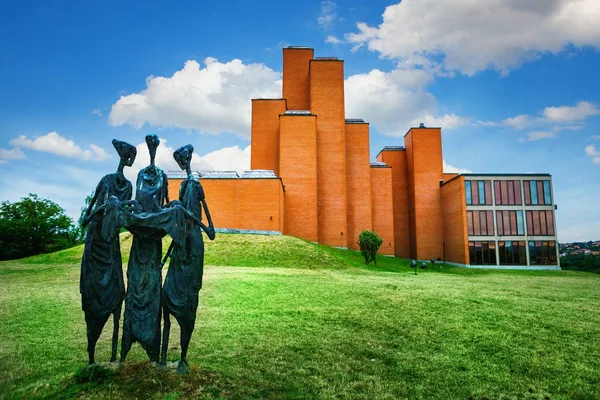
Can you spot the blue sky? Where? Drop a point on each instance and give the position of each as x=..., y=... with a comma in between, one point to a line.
x=513, y=84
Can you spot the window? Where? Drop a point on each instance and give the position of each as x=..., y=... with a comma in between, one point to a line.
x=510, y=223
x=468, y=191
x=547, y=199
x=478, y=192
x=542, y=253
x=480, y=223
x=481, y=189
x=537, y=192
x=482, y=253
x=507, y=192
x=512, y=253
x=540, y=223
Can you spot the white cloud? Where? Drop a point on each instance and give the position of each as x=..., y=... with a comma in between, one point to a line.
x=519, y=122
x=569, y=128
x=394, y=101
x=217, y=98
x=12, y=154
x=471, y=36
x=213, y=99
x=596, y=137
x=446, y=121
x=3, y=162
x=591, y=151
x=229, y=159
x=56, y=144
x=333, y=40
x=580, y=112
x=450, y=169
x=538, y=135
x=97, y=112
x=561, y=117
x=327, y=16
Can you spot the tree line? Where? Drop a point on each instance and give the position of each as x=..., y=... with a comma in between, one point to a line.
x=581, y=262
x=35, y=225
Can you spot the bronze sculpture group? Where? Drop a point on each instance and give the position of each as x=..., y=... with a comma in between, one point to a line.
x=149, y=217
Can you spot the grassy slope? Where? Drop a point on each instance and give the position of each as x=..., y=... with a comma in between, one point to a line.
x=282, y=318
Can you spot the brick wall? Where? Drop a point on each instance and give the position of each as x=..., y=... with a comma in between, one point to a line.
x=427, y=170
x=295, y=78
x=298, y=169
x=455, y=221
x=327, y=102
x=396, y=159
x=265, y=133
x=253, y=204
x=383, y=208
x=410, y=177
x=358, y=181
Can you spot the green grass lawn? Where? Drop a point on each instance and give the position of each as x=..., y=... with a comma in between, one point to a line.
x=283, y=318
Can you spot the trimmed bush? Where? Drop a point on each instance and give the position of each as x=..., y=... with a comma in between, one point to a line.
x=369, y=243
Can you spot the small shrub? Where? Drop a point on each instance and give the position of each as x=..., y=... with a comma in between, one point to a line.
x=369, y=243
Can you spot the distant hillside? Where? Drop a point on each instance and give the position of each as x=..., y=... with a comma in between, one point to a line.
x=580, y=256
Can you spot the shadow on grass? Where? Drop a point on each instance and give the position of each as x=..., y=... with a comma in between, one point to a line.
x=144, y=380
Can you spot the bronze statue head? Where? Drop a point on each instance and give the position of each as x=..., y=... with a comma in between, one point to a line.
x=152, y=141
x=183, y=156
x=126, y=151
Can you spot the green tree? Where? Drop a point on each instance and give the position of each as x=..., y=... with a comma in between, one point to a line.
x=33, y=226
x=369, y=242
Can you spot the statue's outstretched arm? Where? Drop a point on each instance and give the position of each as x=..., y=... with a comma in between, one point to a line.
x=210, y=230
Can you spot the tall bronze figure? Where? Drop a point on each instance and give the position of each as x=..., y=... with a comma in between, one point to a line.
x=142, y=315
x=101, y=281
x=184, y=276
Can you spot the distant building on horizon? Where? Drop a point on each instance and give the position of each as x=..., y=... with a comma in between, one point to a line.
x=311, y=177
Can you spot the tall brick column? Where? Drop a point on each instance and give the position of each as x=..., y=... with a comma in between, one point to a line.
x=327, y=102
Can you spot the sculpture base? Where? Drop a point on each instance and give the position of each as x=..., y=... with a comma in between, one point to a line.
x=110, y=365
x=177, y=367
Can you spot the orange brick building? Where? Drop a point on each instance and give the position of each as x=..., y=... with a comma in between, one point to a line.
x=311, y=177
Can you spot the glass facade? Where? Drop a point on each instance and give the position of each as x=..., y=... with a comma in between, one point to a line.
x=537, y=192
x=507, y=192
x=482, y=253
x=542, y=252
x=512, y=253
x=511, y=222
x=480, y=223
x=540, y=223
x=478, y=192
x=468, y=192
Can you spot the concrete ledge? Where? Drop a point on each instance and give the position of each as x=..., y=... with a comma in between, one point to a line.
x=451, y=263
x=521, y=267
x=246, y=231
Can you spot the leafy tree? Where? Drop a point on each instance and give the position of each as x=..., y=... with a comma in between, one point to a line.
x=369, y=243
x=33, y=226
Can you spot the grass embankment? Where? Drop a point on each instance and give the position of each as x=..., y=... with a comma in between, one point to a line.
x=282, y=318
